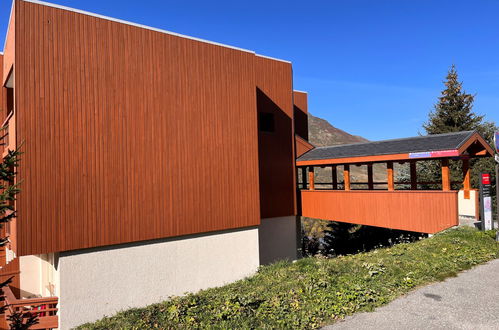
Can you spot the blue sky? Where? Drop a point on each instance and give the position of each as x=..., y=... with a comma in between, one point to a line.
x=372, y=68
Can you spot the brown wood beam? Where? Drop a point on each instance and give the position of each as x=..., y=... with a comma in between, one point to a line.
x=311, y=178
x=466, y=178
x=346, y=177
x=389, y=173
x=334, y=175
x=445, y=175
x=304, y=177
x=370, y=180
x=414, y=176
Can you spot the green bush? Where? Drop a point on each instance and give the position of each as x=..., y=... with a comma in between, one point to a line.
x=315, y=291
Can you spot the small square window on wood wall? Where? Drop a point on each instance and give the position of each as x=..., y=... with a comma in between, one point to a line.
x=266, y=122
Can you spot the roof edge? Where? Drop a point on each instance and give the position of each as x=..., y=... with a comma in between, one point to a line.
x=273, y=58
x=8, y=25
x=470, y=135
x=108, y=18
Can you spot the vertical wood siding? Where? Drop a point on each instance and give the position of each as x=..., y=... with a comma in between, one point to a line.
x=276, y=149
x=130, y=134
x=419, y=211
x=300, y=100
x=302, y=146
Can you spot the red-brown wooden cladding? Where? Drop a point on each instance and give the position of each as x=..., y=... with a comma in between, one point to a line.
x=300, y=100
x=11, y=270
x=130, y=134
x=419, y=211
x=302, y=146
x=276, y=149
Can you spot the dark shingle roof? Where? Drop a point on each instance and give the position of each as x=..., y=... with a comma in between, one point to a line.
x=437, y=142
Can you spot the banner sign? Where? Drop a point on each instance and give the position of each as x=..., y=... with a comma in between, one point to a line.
x=486, y=200
x=434, y=154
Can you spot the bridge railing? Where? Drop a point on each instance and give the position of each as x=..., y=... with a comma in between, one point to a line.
x=425, y=211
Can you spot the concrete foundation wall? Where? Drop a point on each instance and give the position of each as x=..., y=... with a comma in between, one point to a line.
x=279, y=239
x=103, y=281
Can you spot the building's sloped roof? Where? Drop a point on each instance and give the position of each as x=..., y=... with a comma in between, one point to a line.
x=437, y=142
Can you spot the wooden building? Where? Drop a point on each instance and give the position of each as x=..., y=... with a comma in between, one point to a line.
x=154, y=163
x=157, y=164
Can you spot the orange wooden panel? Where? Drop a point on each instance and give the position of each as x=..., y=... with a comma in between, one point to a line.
x=12, y=270
x=302, y=146
x=130, y=134
x=419, y=211
x=276, y=149
x=300, y=109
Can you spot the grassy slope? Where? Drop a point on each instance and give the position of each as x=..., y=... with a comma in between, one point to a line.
x=315, y=291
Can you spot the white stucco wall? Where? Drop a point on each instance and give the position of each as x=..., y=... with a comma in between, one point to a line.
x=30, y=276
x=279, y=239
x=467, y=207
x=103, y=281
x=38, y=276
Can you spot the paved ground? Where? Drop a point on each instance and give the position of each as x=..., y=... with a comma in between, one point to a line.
x=469, y=301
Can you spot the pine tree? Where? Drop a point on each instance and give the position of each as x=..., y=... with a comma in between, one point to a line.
x=453, y=112
x=8, y=192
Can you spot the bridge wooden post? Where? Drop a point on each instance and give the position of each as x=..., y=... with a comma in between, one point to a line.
x=311, y=181
x=304, y=177
x=414, y=175
x=370, y=180
x=389, y=173
x=445, y=175
x=466, y=178
x=346, y=177
x=334, y=177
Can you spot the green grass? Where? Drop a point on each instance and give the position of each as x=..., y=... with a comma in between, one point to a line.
x=316, y=291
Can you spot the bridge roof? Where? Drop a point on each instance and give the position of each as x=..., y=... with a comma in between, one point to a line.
x=458, y=144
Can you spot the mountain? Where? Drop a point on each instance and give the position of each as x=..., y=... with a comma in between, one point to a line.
x=322, y=133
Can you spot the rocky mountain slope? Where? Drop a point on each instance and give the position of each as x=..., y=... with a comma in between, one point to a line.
x=322, y=133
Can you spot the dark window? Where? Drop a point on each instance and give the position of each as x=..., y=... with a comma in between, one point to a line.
x=10, y=100
x=266, y=122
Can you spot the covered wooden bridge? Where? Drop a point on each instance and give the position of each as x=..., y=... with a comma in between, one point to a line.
x=391, y=204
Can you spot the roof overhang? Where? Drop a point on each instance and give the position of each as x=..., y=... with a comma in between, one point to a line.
x=472, y=147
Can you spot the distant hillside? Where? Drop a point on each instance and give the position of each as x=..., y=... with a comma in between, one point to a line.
x=322, y=133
